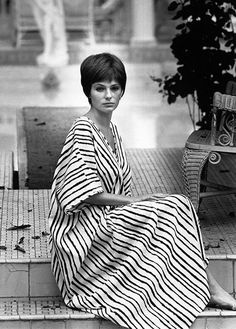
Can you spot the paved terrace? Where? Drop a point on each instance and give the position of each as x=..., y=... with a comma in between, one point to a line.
x=25, y=256
x=153, y=171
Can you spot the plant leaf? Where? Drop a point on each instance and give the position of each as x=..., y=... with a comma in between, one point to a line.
x=18, y=248
x=173, y=5
x=18, y=227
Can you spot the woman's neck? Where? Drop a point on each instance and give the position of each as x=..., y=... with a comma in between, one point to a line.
x=101, y=119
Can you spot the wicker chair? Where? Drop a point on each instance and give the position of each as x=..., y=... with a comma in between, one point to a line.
x=206, y=146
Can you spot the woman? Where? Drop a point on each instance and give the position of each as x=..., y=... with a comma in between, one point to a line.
x=137, y=261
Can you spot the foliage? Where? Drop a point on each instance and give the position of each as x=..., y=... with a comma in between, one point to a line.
x=204, y=46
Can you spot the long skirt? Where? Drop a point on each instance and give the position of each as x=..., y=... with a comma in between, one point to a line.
x=141, y=266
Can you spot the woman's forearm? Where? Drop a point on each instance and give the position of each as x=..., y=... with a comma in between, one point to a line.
x=109, y=199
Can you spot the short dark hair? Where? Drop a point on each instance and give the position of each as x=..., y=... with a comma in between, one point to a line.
x=102, y=67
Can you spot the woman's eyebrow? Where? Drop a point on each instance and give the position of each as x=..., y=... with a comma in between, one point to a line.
x=99, y=84
x=102, y=84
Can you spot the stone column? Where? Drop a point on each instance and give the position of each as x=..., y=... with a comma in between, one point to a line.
x=143, y=23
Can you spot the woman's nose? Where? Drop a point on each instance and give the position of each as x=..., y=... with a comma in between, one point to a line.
x=108, y=94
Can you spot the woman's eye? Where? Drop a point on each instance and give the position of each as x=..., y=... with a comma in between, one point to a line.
x=99, y=89
x=116, y=88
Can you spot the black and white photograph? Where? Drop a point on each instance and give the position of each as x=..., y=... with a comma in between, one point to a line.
x=117, y=164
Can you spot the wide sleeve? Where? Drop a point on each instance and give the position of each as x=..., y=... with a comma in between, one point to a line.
x=76, y=176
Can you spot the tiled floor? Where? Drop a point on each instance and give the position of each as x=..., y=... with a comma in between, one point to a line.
x=153, y=171
x=26, y=269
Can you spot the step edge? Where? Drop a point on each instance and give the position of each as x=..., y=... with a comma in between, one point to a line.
x=48, y=260
x=35, y=317
x=222, y=257
x=24, y=260
x=89, y=316
x=217, y=313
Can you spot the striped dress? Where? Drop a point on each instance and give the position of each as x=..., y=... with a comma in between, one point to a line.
x=140, y=265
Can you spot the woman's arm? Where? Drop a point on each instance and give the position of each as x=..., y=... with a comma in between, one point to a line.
x=109, y=199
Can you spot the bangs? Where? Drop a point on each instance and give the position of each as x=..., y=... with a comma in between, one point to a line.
x=107, y=74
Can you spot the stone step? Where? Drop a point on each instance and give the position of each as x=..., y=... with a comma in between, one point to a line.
x=33, y=278
x=49, y=313
x=24, y=252
x=78, y=51
x=215, y=319
x=25, y=272
x=28, y=278
x=44, y=313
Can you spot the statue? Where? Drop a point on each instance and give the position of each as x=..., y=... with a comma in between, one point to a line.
x=49, y=15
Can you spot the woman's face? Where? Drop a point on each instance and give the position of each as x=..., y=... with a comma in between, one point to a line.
x=105, y=96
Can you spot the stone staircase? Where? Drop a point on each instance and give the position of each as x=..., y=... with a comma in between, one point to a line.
x=78, y=51
x=29, y=298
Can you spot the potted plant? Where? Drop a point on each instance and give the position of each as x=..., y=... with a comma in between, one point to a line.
x=204, y=47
